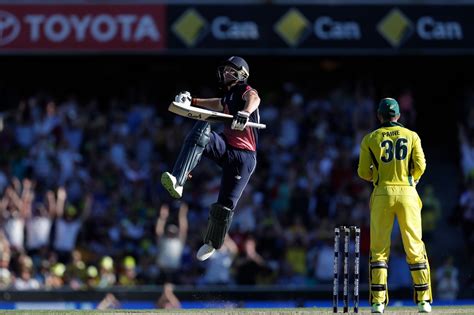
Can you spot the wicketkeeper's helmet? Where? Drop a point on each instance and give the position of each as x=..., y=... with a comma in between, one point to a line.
x=232, y=70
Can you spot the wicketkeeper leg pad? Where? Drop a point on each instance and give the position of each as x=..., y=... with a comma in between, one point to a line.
x=191, y=152
x=378, y=282
x=218, y=225
x=420, y=273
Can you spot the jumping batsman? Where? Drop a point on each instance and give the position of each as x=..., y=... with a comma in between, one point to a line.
x=234, y=150
x=391, y=157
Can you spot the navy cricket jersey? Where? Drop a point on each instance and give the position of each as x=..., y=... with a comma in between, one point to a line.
x=233, y=101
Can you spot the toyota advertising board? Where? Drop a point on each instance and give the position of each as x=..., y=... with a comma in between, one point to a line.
x=82, y=27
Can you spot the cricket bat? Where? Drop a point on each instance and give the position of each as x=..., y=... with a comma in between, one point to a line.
x=206, y=114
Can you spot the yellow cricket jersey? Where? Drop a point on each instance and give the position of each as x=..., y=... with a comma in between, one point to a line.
x=391, y=156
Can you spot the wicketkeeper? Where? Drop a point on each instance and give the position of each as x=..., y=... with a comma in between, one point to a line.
x=391, y=157
x=234, y=150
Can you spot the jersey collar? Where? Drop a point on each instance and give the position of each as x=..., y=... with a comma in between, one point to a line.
x=391, y=124
x=236, y=85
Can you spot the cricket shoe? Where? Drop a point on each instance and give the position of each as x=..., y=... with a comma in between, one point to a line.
x=378, y=308
x=424, y=307
x=169, y=182
x=205, y=252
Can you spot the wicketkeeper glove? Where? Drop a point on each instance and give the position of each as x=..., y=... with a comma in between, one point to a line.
x=183, y=97
x=240, y=120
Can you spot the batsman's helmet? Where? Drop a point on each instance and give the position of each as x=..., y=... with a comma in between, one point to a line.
x=232, y=70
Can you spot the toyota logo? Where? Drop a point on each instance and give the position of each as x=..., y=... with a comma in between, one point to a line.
x=9, y=28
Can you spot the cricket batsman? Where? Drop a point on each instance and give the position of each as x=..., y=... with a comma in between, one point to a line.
x=234, y=150
x=391, y=157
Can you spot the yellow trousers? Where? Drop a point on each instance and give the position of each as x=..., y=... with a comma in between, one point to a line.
x=404, y=203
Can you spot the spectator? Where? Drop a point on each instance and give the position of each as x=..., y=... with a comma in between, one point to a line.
x=38, y=225
x=147, y=270
x=168, y=299
x=322, y=260
x=25, y=280
x=15, y=208
x=49, y=123
x=55, y=278
x=466, y=141
x=406, y=101
x=218, y=268
x=245, y=218
x=295, y=255
x=127, y=276
x=431, y=213
x=399, y=275
x=248, y=264
x=107, y=276
x=76, y=271
x=466, y=218
x=24, y=132
x=68, y=159
x=109, y=302
x=92, y=279
x=68, y=224
x=171, y=243
x=132, y=229
x=447, y=279
x=6, y=277
x=72, y=124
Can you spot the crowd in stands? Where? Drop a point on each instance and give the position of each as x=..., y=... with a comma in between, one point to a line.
x=464, y=216
x=82, y=205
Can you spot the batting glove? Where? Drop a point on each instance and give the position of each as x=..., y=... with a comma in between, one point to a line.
x=183, y=97
x=240, y=120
